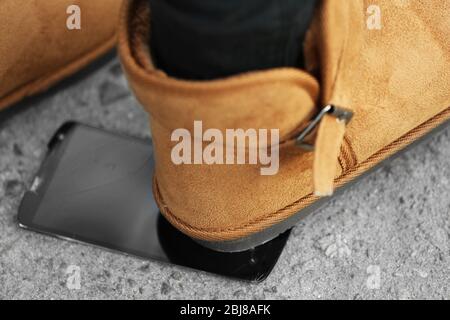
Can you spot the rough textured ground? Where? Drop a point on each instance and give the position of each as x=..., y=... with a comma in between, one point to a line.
x=388, y=237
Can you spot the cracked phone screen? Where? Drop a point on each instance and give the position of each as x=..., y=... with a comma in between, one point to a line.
x=95, y=187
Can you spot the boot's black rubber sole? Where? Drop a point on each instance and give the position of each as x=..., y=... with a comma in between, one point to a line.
x=272, y=232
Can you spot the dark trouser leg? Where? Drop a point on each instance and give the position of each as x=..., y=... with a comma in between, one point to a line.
x=206, y=39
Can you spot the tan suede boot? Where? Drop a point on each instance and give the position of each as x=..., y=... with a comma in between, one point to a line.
x=394, y=80
x=37, y=49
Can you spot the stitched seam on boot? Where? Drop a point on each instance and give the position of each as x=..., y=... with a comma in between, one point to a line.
x=348, y=155
x=342, y=163
x=341, y=56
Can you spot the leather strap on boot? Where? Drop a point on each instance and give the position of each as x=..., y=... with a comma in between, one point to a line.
x=332, y=123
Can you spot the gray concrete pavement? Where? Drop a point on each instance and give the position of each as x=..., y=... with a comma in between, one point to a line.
x=388, y=237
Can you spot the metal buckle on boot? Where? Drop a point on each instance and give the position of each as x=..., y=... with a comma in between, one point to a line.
x=340, y=113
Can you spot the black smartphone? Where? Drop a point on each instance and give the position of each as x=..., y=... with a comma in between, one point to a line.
x=95, y=187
